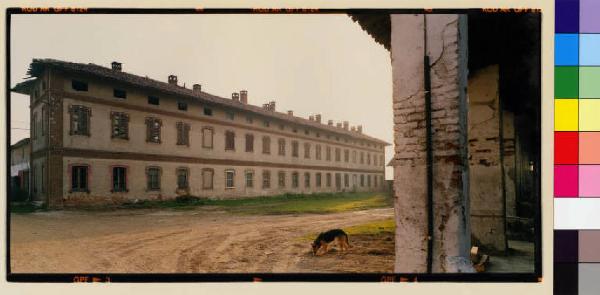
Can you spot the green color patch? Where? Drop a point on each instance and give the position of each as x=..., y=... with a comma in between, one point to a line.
x=566, y=82
x=589, y=82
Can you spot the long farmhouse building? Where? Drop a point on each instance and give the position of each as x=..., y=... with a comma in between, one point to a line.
x=100, y=135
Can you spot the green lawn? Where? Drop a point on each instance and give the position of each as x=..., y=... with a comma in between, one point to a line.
x=283, y=204
x=371, y=228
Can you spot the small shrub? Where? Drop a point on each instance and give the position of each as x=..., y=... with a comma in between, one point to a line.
x=187, y=199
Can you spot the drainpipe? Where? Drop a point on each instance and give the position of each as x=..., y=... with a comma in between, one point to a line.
x=429, y=159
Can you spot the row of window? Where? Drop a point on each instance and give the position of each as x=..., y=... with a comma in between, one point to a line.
x=183, y=106
x=80, y=125
x=80, y=179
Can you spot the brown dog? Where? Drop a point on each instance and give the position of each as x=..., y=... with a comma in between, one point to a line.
x=321, y=244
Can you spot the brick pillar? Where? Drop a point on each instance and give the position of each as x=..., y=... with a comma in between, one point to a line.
x=508, y=119
x=446, y=45
x=55, y=143
x=487, y=199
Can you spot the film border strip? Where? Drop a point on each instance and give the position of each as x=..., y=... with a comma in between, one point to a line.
x=576, y=139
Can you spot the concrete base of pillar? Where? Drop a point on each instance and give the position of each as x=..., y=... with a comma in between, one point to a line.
x=458, y=264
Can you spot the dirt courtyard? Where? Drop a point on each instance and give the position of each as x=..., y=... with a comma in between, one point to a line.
x=191, y=241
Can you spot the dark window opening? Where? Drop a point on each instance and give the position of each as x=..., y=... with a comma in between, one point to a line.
x=182, y=178
x=79, y=178
x=153, y=100
x=118, y=93
x=79, y=85
x=208, y=112
x=119, y=179
x=182, y=106
x=153, y=178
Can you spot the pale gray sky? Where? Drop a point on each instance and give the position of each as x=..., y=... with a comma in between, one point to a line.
x=308, y=63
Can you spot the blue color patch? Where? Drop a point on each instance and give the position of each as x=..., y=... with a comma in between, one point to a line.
x=566, y=49
x=590, y=50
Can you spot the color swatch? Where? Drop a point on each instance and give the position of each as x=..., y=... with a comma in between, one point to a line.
x=577, y=262
x=577, y=99
x=577, y=147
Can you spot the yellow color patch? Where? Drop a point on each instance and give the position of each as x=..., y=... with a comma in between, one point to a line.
x=565, y=115
x=589, y=115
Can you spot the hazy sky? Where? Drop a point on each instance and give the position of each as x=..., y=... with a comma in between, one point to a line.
x=307, y=63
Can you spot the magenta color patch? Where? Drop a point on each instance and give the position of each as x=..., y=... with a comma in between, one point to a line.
x=565, y=181
x=589, y=180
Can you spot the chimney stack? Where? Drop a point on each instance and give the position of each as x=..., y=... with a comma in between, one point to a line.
x=244, y=96
x=272, y=106
x=353, y=129
x=338, y=125
x=359, y=128
x=290, y=112
x=311, y=118
x=266, y=106
x=116, y=66
x=173, y=79
x=346, y=125
x=235, y=96
x=318, y=118
x=330, y=122
x=197, y=88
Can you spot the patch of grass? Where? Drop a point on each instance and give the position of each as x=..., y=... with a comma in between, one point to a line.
x=282, y=204
x=378, y=227
x=373, y=228
x=24, y=208
x=302, y=204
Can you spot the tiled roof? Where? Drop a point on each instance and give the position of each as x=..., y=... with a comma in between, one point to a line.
x=37, y=66
x=22, y=142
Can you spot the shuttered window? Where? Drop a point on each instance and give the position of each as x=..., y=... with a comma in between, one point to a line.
x=120, y=125
x=80, y=120
x=295, y=179
x=266, y=145
x=207, y=137
x=266, y=175
x=183, y=178
x=306, y=179
x=153, y=126
x=229, y=140
x=281, y=144
x=153, y=178
x=249, y=142
x=183, y=133
x=294, y=148
x=281, y=178
x=229, y=179
x=249, y=178
x=207, y=178
x=318, y=152
x=307, y=150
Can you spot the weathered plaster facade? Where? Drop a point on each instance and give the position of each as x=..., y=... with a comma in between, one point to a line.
x=360, y=160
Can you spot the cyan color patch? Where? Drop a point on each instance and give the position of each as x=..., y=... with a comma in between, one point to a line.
x=590, y=49
x=566, y=49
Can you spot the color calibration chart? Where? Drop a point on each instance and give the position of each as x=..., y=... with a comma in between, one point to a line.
x=577, y=147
